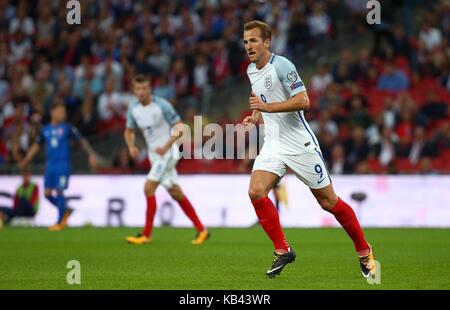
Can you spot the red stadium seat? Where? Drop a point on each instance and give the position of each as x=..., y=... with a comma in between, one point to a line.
x=375, y=166
x=375, y=99
x=403, y=165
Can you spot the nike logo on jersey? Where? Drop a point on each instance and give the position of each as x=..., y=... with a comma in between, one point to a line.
x=320, y=181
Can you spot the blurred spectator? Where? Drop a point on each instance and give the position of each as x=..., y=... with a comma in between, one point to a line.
x=321, y=79
x=87, y=81
x=42, y=89
x=202, y=79
x=142, y=65
x=324, y=123
x=389, y=112
x=434, y=108
x=87, y=122
x=356, y=147
x=393, y=79
x=387, y=149
x=373, y=132
x=20, y=140
x=358, y=115
x=26, y=201
x=430, y=37
x=319, y=22
x=399, y=42
x=363, y=65
x=22, y=23
x=159, y=60
x=220, y=63
x=419, y=147
x=111, y=106
x=299, y=35
x=179, y=78
x=344, y=68
x=163, y=89
x=46, y=28
x=21, y=48
x=110, y=68
x=442, y=137
x=338, y=163
x=331, y=97
x=279, y=41
x=426, y=166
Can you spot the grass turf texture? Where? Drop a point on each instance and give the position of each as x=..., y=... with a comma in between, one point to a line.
x=232, y=259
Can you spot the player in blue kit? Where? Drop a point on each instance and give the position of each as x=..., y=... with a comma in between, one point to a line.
x=57, y=137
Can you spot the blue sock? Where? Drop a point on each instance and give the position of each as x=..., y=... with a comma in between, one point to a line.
x=61, y=205
x=52, y=200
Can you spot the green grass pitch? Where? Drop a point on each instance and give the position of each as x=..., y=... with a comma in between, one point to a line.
x=232, y=259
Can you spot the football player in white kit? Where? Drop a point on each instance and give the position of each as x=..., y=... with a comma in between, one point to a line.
x=278, y=99
x=156, y=117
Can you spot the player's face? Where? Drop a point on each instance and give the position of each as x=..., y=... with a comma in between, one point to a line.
x=254, y=45
x=143, y=92
x=58, y=114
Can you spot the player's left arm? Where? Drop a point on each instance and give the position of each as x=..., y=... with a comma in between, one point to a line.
x=89, y=151
x=298, y=102
x=174, y=120
x=177, y=133
x=85, y=145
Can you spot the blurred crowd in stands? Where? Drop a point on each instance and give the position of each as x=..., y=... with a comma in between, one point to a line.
x=380, y=108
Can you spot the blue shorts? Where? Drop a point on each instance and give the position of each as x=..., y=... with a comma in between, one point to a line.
x=57, y=177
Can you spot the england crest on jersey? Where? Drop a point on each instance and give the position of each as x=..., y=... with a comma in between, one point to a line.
x=268, y=82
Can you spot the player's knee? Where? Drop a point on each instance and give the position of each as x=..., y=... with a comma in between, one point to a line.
x=149, y=192
x=257, y=192
x=326, y=203
x=176, y=194
x=149, y=189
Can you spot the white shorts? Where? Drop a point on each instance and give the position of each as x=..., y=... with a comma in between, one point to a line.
x=309, y=167
x=163, y=170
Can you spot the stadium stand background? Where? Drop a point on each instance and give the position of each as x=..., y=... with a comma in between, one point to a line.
x=380, y=94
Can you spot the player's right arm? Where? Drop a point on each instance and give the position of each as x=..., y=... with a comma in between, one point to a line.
x=34, y=149
x=130, y=138
x=130, y=134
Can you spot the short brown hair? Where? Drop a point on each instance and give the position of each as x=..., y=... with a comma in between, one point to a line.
x=266, y=31
x=140, y=78
x=57, y=104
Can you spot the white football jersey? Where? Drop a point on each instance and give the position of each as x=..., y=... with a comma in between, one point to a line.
x=285, y=132
x=155, y=120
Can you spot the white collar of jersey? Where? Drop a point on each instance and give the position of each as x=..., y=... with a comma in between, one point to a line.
x=272, y=56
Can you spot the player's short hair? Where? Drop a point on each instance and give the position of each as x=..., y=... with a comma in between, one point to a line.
x=57, y=104
x=265, y=29
x=140, y=78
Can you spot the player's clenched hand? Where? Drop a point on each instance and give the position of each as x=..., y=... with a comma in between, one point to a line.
x=249, y=120
x=256, y=103
x=134, y=152
x=93, y=161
